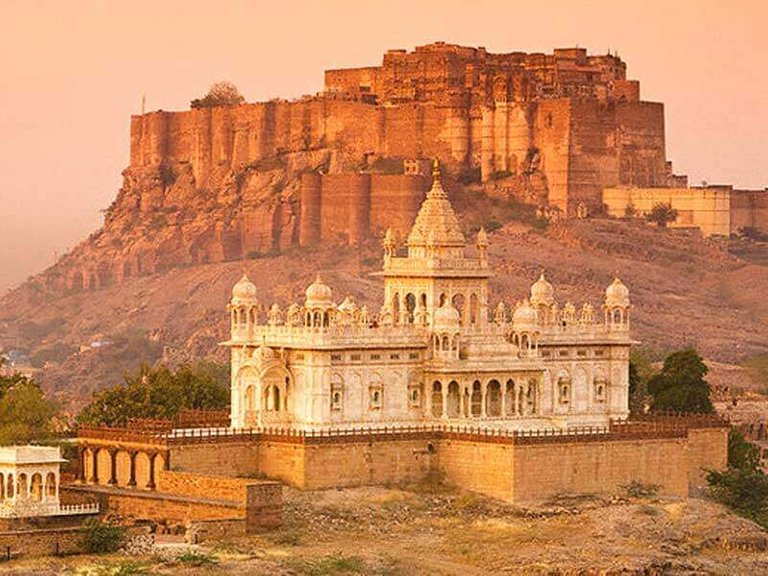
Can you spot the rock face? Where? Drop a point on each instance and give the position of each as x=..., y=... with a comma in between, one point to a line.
x=226, y=183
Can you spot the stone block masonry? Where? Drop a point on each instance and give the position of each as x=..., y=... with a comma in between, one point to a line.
x=673, y=454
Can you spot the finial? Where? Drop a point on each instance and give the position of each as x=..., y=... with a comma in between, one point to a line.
x=435, y=169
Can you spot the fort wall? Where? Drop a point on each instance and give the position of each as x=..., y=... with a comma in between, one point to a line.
x=716, y=210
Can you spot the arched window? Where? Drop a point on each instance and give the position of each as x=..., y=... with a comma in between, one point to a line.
x=474, y=309
x=22, y=489
x=252, y=315
x=564, y=388
x=493, y=399
x=458, y=303
x=410, y=306
x=36, y=487
x=250, y=398
x=396, y=308
x=477, y=399
x=242, y=317
x=446, y=343
x=50, y=485
x=437, y=399
x=10, y=486
x=509, y=395
x=454, y=400
x=2, y=486
x=276, y=399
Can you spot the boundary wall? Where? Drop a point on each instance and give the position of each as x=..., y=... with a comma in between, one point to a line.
x=513, y=466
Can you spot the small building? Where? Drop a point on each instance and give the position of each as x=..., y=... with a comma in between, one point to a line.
x=29, y=483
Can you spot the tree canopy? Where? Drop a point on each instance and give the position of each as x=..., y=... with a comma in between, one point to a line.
x=26, y=415
x=160, y=393
x=680, y=386
x=219, y=94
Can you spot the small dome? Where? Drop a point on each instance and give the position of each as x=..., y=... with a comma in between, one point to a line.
x=319, y=294
x=542, y=292
x=244, y=292
x=446, y=318
x=348, y=305
x=524, y=315
x=617, y=294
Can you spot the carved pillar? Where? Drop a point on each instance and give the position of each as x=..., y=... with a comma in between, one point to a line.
x=151, y=481
x=462, y=394
x=132, y=479
x=503, y=392
x=81, y=463
x=112, y=466
x=444, y=392
x=483, y=399
x=95, y=471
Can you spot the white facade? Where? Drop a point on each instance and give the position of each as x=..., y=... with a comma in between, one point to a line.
x=29, y=483
x=435, y=352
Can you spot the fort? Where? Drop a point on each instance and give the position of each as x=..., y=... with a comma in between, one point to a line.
x=566, y=132
x=223, y=183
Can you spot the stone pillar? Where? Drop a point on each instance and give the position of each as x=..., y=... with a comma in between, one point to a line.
x=80, y=477
x=112, y=466
x=461, y=401
x=132, y=479
x=483, y=399
x=503, y=391
x=151, y=481
x=444, y=392
x=95, y=472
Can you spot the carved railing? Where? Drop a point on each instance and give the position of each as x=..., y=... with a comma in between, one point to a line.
x=676, y=426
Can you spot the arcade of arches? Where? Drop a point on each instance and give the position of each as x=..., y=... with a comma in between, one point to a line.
x=117, y=465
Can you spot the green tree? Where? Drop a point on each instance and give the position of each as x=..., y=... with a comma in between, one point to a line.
x=662, y=214
x=680, y=386
x=219, y=94
x=160, y=393
x=25, y=413
x=742, y=454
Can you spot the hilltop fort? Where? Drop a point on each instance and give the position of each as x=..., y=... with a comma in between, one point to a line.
x=225, y=183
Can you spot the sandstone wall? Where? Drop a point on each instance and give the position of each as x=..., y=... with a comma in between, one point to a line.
x=41, y=542
x=334, y=464
x=709, y=209
x=544, y=470
x=707, y=450
x=226, y=459
x=749, y=209
x=482, y=467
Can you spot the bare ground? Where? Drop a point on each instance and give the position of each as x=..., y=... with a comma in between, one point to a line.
x=429, y=530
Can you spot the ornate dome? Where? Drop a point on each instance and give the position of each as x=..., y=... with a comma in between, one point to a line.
x=244, y=292
x=524, y=316
x=348, y=305
x=446, y=318
x=617, y=294
x=319, y=294
x=542, y=292
x=436, y=216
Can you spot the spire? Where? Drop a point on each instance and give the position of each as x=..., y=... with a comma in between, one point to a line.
x=436, y=216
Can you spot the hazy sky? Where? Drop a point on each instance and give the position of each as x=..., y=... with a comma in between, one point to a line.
x=72, y=73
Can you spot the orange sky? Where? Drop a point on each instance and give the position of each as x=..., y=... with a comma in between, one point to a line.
x=72, y=73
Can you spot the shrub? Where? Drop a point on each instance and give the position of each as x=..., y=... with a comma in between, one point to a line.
x=219, y=94
x=662, y=214
x=198, y=559
x=743, y=491
x=637, y=489
x=101, y=537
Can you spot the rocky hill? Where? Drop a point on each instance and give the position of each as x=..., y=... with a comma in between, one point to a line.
x=685, y=290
